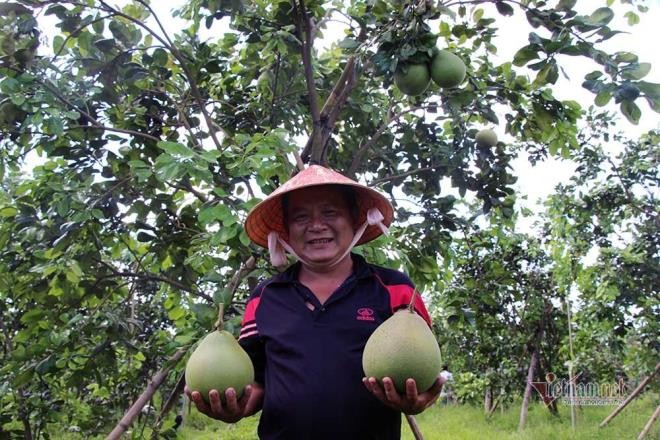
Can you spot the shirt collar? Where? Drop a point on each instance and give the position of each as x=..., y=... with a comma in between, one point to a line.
x=290, y=275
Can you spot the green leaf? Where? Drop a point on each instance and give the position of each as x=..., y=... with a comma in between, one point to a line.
x=176, y=313
x=653, y=103
x=636, y=71
x=145, y=237
x=98, y=26
x=601, y=16
x=633, y=18
x=8, y=211
x=504, y=9
x=524, y=55
x=58, y=44
x=649, y=89
x=23, y=377
x=565, y=5
x=631, y=111
x=603, y=98
x=593, y=75
x=176, y=149
x=105, y=45
x=160, y=57
x=348, y=43
x=625, y=57
x=120, y=32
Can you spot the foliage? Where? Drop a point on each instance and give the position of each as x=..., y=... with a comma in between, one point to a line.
x=610, y=210
x=130, y=155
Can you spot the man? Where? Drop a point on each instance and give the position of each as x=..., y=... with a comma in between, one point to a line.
x=305, y=329
x=447, y=388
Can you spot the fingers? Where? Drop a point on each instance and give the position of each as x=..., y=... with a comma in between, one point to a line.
x=411, y=390
x=410, y=401
x=251, y=400
x=372, y=385
x=230, y=411
x=201, y=405
x=390, y=391
x=215, y=401
x=437, y=386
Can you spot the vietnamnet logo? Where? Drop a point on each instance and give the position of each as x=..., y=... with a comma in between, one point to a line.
x=365, y=314
x=572, y=392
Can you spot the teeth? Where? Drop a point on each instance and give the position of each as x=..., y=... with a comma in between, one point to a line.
x=325, y=240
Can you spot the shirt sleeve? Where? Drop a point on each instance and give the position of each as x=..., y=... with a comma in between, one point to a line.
x=250, y=340
x=401, y=289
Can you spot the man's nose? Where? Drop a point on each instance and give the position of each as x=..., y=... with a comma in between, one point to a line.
x=317, y=221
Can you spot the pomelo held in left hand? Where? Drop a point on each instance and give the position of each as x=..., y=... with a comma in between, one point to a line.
x=219, y=363
x=403, y=347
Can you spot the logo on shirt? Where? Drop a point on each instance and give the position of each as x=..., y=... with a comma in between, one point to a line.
x=365, y=314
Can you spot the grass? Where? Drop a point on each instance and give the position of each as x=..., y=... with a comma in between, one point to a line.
x=463, y=422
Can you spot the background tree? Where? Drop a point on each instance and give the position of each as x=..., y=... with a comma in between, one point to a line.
x=131, y=153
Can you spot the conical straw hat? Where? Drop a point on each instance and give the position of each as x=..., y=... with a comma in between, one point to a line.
x=267, y=216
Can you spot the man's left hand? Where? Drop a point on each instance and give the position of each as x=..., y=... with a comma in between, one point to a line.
x=411, y=402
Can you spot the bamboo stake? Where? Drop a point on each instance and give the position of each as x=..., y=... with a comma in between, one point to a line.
x=649, y=424
x=414, y=427
x=630, y=398
x=571, y=385
x=155, y=382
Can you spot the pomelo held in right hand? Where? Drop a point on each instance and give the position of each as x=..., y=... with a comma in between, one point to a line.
x=219, y=363
x=403, y=347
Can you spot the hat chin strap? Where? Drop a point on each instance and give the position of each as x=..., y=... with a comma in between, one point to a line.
x=277, y=247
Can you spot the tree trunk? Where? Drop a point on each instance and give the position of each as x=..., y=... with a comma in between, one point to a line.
x=552, y=406
x=495, y=405
x=528, y=389
x=488, y=400
x=24, y=415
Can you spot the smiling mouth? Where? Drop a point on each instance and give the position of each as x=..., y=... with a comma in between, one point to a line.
x=320, y=241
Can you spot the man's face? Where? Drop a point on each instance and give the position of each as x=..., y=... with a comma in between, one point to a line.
x=319, y=222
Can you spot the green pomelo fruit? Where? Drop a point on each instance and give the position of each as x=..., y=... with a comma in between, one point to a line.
x=412, y=79
x=403, y=347
x=486, y=138
x=219, y=363
x=447, y=69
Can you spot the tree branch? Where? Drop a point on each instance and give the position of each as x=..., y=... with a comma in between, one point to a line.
x=370, y=143
x=213, y=128
x=238, y=276
x=100, y=126
x=153, y=385
x=403, y=175
x=305, y=30
x=96, y=124
x=151, y=277
x=317, y=141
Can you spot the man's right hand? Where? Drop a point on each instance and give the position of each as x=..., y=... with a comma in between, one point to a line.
x=233, y=409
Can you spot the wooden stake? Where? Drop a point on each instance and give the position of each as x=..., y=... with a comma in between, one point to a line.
x=414, y=427
x=571, y=384
x=630, y=398
x=649, y=424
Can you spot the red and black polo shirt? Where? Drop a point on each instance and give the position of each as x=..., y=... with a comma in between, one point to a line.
x=310, y=361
